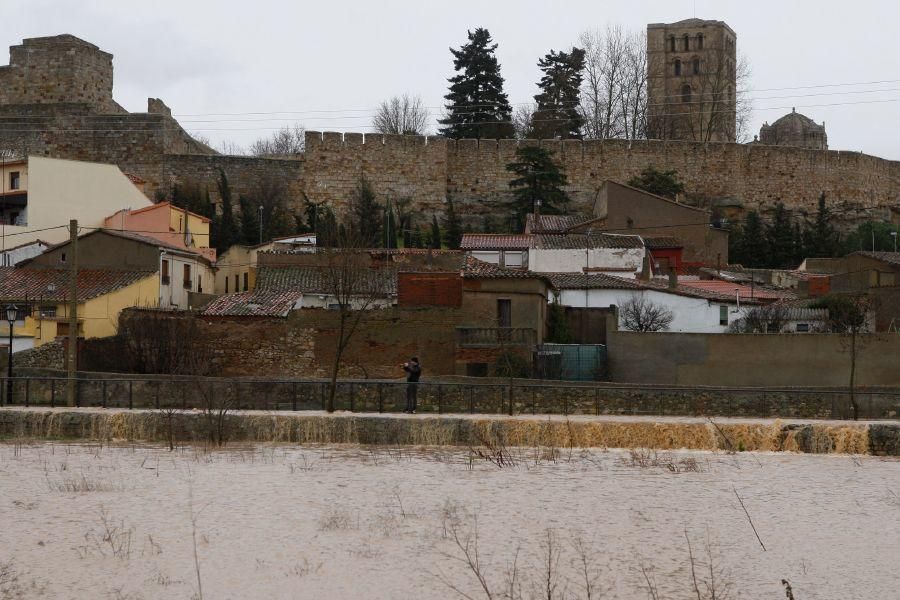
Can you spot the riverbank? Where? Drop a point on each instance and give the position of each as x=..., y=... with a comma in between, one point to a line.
x=312, y=427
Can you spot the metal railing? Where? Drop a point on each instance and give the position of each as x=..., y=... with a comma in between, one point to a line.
x=438, y=397
x=492, y=337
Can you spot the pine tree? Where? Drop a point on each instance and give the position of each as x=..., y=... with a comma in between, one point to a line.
x=557, y=114
x=822, y=240
x=389, y=235
x=661, y=183
x=477, y=106
x=435, y=238
x=539, y=179
x=367, y=214
x=452, y=227
x=754, y=250
x=780, y=235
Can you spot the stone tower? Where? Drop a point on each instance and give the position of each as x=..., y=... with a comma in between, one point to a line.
x=691, y=81
x=59, y=70
x=794, y=129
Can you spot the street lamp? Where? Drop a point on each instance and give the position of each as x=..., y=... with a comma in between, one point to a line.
x=11, y=314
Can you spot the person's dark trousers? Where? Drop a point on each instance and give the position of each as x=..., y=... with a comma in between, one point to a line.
x=411, y=390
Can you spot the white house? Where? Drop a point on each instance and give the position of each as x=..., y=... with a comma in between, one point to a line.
x=13, y=256
x=694, y=310
x=379, y=290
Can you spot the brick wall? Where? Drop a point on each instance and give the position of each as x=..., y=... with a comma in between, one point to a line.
x=429, y=289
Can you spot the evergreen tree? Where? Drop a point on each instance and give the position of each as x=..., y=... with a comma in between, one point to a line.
x=477, y=106
x=452, y=227
x=821, y=239
x=780, y=236
x=367, y=214
x=557, y=114
x=435, y=237
x=488, y=225
x=389, y=233
x=865, y=233
x=249, y=221
x=661, y=183
x=754, y=249
x=538, y=178
x=227, y=232
x=557, y=325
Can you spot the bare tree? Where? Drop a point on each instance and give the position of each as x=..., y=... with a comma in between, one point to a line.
x=231, y=148
x=768, y=318
x=522, y=120
x=641, y=314
x=614, y=92
x=287, y=141
x=849, y=316
x=354, y=287
x=404, y=114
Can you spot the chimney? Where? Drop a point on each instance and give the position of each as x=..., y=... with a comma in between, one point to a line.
x=673, y=279
x=645, y=268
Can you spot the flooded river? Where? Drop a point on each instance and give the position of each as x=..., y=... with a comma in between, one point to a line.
x=274, y=521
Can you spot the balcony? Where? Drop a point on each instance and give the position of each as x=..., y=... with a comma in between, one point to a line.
x=493, y=337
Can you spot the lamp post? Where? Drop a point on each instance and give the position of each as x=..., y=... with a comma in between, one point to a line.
x=11, y=314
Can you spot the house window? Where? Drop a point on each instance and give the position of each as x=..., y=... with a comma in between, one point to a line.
x=14, y=180
x=246, y=282
x=187, y=277
x=164, y=272
x=677, y=67
x=723, y=315
x=237, y=287
x=699, y=41
x=226, y=284
x=199, y=284
x=672, y=43
x=802, y=327
x=48, y=311
x=687, y=44
x=504, y=312
x=686, y=93
x=62, y=257
x=696, y=66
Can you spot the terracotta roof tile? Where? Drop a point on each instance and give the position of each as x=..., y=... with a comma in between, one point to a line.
x=552, y=223
x=662, y=242
x=591, y=281
x=317, y=280
x=892, y=258
x=479, y=269
x=253, y=304
x=19, y=283
x=578, y=241
x=495, y=241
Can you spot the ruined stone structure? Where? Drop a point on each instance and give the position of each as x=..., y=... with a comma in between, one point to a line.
x=691, y=81
x=794, y=129
x=56, y=100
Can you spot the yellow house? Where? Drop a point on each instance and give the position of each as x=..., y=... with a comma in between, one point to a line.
x=102, y=294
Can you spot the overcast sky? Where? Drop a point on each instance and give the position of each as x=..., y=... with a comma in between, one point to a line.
x=344, y=57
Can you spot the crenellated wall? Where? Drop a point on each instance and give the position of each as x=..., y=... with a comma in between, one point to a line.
x=473, y=172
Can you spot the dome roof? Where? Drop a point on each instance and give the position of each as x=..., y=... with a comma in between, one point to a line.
x=798, y=121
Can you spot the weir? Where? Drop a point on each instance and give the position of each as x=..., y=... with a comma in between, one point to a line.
x=819, y=437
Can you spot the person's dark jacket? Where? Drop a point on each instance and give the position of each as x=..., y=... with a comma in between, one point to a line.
x=413, y=371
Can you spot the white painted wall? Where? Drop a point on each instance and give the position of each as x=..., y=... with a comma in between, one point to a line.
x=575, y=261
x=11, y=258
x=174, y=294
x=692, y=315
x=326, y=301
x=59, y=190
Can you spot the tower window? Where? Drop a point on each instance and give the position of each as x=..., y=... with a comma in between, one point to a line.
x=672, y=43
x=677, y=67
x=687, y=43
x=699, y=41
x=696, y=66
x=685, y=93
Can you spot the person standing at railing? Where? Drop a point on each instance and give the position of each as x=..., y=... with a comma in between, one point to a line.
x=413, y=372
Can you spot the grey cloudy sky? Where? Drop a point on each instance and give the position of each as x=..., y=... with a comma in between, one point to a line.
x=344, y=57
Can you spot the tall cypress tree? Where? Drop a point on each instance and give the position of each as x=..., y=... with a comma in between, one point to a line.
x=435, y=238
x=557, y=114
x=452, y=227
x=754, y=248
x=539, y=178
x=780, y=235
x=821, y=239
x=227, y=233
x=249, y=220
x=477, y=106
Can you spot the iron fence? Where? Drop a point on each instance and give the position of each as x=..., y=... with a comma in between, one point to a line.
x=519, y=397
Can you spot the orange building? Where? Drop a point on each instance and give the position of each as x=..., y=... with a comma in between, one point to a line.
x=166, y=223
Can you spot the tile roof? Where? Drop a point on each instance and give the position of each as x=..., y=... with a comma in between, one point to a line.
x=592, y=281
x=495, y=241
x=892, y=258
x=253, y=304
x=579, y=241
x=19, y=283
x=731, y=289
x=552, y=223
x=662, y=242
x=318, y=280
x=479, y=269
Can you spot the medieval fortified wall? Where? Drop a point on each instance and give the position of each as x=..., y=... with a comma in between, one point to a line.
x=56, y=100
